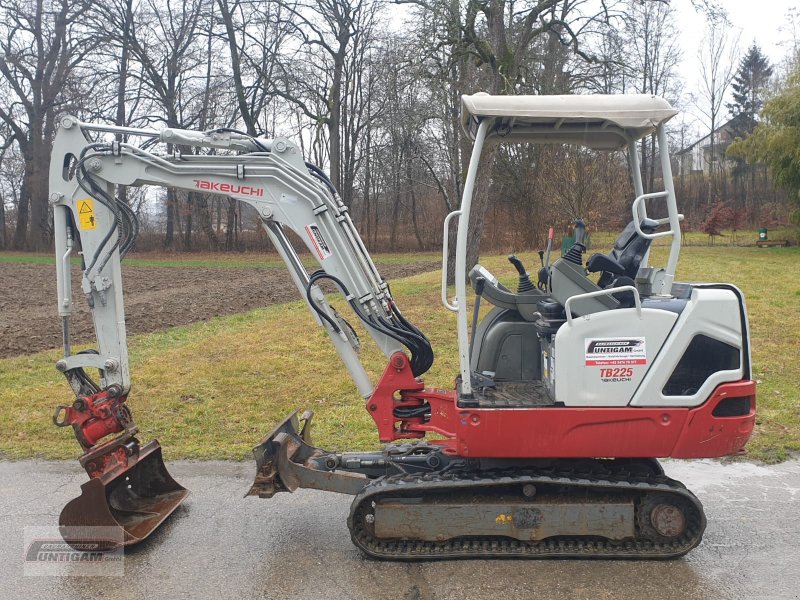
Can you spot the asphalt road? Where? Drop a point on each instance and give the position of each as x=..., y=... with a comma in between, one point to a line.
x=221, y=545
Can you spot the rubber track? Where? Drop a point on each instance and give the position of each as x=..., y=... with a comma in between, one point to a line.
x=502, y=547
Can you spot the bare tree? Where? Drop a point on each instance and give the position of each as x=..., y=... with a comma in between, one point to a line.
x=164, y=40
x=254, y=35
x=497, y=36
x=652, y=57
x=330, y=34
x=6, y=186
x=43, y=45
x=718, y=58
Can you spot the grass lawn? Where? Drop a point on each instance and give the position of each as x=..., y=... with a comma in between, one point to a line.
x=212, y=389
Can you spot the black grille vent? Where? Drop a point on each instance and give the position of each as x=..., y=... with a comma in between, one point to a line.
x=703, y=357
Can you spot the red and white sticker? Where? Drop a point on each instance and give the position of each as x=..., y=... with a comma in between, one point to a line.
x=318, y=242
x=616, y=351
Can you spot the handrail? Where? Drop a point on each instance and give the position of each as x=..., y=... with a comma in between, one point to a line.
x=445, y=249
x=605, y=292
x=666, y=219
x=637, y=216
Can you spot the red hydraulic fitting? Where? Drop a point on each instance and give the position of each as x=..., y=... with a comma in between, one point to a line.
x=96, y=416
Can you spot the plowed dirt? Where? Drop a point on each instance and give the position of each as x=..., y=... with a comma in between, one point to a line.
x=155, y=298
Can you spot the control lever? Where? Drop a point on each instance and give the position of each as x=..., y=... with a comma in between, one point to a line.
x=480, y=283
x=524, y=284
x=544, y=272
x=550, y=235
x=580, y=233
x=480, y=380
x=575, y=254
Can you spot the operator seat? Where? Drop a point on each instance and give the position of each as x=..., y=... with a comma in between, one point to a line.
x=619, y=267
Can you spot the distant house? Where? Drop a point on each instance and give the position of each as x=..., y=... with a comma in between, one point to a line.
x=698, y=157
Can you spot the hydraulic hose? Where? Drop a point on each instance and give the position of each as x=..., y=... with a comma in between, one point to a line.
x=402, y=331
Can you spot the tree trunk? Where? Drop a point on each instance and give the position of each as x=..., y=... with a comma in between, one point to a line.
x=413, y=195
x=241, y=98
x=2, y=223
x=187, y=235
x=334, y=131
x=230, y=233
x=21, y=229
x=200, y=202
x=169, y=234
x=39, y=239
x=395, y=217
x=122, y=84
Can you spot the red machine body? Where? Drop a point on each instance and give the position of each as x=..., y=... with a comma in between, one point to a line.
x=560, y=432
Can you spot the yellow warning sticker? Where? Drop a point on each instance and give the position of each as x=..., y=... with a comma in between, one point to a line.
x=86, y=218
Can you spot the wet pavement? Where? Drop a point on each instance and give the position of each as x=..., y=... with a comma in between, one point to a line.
x=221, y=545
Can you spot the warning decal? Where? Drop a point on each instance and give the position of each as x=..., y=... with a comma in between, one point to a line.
x=86, y=218
x=615, y=351
x=318, y=242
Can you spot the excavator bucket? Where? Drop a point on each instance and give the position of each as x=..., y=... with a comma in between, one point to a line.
x=136, y=497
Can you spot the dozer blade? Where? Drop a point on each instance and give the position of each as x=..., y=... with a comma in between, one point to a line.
x=136, y=498
x=286, y=461
x=273, y=447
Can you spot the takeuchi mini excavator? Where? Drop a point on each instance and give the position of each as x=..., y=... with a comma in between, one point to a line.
x=569, y=390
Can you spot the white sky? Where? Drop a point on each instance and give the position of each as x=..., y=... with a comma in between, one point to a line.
x=762, y=21
x=766, y=25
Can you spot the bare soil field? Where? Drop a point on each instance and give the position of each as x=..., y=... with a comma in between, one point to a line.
x=155, y=298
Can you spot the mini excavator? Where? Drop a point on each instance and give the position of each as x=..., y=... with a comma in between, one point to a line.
x=569, y=389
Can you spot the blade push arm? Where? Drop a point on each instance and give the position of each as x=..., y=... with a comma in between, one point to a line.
x=273, y=178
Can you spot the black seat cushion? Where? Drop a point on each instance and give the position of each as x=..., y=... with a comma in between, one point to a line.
x=628, y=251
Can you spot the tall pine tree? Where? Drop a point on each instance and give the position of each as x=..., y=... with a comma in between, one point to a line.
x=748, y=87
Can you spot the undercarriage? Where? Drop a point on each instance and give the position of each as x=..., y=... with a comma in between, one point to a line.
x=414, y=502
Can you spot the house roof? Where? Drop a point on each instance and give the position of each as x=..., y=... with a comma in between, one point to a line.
x=601, y=121
x=729, y=124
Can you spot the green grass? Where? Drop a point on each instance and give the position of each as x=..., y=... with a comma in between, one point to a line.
x=601, y=240
x=213, y=389
x=198, y=259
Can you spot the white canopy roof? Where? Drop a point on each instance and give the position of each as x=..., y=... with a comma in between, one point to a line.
x=599, y=121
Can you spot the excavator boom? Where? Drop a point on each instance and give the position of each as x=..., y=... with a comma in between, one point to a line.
x=129, y=483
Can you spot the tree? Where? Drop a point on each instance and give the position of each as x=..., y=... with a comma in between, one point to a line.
x=776, y=140
x=43, y=45
x=717, y=63
x=653, y=54
x=331, y=36
x=749, y=87
x=718, y=218
x=254, y=33
x=8, y=180
x=163, y=38
x=748, y=90
x=498, y=35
